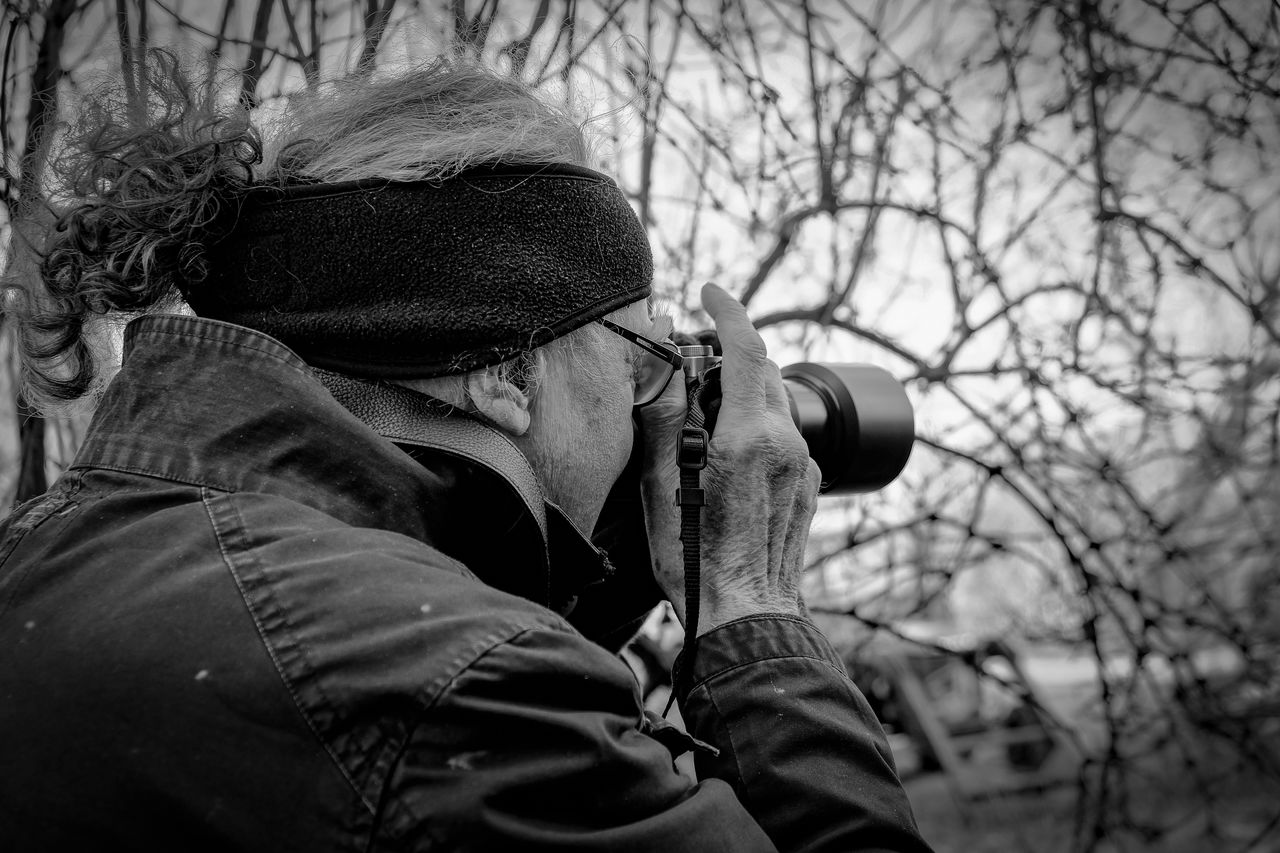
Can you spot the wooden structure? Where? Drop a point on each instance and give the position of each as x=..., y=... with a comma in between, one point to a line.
x=969, y=711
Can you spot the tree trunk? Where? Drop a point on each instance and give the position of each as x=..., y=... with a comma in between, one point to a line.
x=253, y=66
x=43, y=109
x=31, y=475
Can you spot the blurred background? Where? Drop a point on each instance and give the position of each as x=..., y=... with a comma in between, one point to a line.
x=1056, y=223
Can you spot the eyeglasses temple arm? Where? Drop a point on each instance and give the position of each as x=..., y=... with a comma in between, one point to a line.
x=674, y=359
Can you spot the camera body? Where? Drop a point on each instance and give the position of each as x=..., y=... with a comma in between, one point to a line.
x=855, y=418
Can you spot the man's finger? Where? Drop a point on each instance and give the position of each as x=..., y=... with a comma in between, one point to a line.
x=744, y=371
x=775, y=393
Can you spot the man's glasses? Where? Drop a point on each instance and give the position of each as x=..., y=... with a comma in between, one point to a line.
x=656, y=366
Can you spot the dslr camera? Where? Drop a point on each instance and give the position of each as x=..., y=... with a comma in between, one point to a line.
x=855, y=418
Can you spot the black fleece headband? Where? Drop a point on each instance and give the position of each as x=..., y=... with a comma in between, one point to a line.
x=384, y=279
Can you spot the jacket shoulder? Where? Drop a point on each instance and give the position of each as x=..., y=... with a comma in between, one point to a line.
x=366, y=627
x=306, y=560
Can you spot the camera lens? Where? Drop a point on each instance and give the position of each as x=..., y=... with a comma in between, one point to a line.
x=857, y=421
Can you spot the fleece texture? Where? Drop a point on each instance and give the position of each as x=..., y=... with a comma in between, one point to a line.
x=387, y=279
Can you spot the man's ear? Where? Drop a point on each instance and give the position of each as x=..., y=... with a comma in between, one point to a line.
x=500, y=400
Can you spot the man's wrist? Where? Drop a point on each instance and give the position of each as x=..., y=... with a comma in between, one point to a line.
x=732, y=609
x=752, y=639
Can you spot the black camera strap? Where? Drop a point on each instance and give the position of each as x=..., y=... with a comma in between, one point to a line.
x=691, y=457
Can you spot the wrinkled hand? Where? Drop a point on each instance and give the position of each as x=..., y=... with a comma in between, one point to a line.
x=761, y=486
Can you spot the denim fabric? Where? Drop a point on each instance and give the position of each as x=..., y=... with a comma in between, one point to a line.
x=243, y=621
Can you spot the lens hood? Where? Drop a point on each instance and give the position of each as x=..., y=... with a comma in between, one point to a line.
x=857, y=421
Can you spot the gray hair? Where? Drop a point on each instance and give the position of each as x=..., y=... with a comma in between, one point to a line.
x=430, y=122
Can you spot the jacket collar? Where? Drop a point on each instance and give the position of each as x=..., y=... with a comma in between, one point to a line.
x=216, y=405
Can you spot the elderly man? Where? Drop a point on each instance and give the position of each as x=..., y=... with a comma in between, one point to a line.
x=319, y=578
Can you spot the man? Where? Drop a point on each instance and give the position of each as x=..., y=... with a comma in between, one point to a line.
x=313, y=580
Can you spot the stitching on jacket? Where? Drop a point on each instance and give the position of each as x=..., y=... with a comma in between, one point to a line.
x=156, y=473
x=719, y=672
x=433, y=691
x=275, y=354
x=42, y=508
x=218, y=531
x=733, y=747
x=152, y=471
x=429, y=696
x=397, y=809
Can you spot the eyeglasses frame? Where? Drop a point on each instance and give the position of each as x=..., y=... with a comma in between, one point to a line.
x=675, y=359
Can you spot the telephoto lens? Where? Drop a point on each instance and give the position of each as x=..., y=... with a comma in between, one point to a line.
x=855, y=418
x=857, y=421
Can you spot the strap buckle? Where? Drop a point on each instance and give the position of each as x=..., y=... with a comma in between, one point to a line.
x=692, y=452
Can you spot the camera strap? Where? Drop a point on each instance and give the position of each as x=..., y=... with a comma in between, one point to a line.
x=411, y=418
x=691, y=457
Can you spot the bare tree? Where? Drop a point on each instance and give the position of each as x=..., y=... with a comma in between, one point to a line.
x=42, y=32
x=1055, y=222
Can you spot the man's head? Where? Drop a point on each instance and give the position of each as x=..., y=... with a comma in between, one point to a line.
x=567, y=402
x=437, y=225
x=567, y=405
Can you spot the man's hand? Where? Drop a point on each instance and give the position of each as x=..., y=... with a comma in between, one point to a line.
x=761, y=486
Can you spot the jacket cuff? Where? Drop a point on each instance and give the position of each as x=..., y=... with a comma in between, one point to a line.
x=749, y=640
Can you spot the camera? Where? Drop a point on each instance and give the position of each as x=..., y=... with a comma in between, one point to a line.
x=855, y=418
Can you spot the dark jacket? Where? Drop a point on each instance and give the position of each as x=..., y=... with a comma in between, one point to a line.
x=244, y=621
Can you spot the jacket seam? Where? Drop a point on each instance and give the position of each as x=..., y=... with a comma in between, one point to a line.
x=733, y=747
x=42, y=508
x=151, y=472
x=767, y=617
x=492, y=643
x=295, y=362
x=224, y=550
x=792, y=656
x=436, y=696
x=684, y=665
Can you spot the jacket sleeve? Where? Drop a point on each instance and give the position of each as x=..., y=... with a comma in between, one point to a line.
x=798, y=743
x=538, y=746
